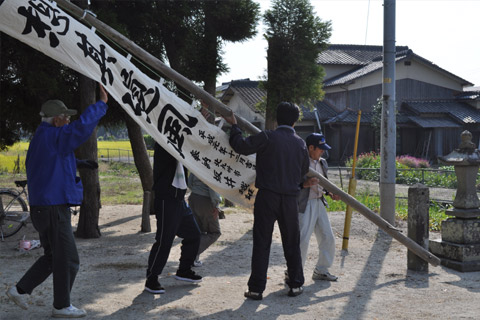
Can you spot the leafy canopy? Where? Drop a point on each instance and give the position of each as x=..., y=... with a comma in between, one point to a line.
x=295, y=38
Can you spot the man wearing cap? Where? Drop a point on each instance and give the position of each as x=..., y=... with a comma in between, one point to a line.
x=53, y=187
x=313, y=215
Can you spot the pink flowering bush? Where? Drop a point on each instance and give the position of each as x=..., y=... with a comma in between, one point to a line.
x=412, y=162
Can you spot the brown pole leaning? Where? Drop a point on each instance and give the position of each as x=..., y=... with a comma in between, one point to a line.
x=199, y=93
x=379, y=221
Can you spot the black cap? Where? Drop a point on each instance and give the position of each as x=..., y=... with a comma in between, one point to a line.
x=317, y=140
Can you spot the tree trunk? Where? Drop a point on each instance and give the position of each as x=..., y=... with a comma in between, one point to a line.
x=144, y=167
x=140, y=154
x=90, y=208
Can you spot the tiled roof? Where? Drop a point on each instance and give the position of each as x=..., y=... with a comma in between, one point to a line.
x=355, y=74
x=248, y=91
x=351, y=116
x=367, y=59
x=434, y=122
x=350, y=54
x=456, y=110
x=324, y=111
x=469, y=95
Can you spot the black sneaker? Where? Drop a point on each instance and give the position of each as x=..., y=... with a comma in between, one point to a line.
x=253, y=295
x=153, y=286
x=293, y=292
x=188, y=275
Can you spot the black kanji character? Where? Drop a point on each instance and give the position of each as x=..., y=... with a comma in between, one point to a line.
x=172, y=126
x=136, y=97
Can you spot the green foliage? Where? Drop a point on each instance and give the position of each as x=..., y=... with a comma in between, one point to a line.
x=27, y=79
x=295, y=38
x=149, y=141
x=372, y=201
x=367, y=166
x=377, y=118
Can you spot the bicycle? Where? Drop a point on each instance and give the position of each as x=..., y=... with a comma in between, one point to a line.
x=13, y=210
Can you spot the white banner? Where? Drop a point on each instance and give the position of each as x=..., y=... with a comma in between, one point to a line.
x=179, y=128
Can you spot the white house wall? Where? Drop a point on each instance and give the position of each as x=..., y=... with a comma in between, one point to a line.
x=334, y=70
x=241, y=108
x=419, y=71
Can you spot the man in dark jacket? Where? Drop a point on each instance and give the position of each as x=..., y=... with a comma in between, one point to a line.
x=174, y=218
x=53, y=186
x=281, y=163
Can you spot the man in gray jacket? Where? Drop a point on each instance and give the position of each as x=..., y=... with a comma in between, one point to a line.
x=204, y=203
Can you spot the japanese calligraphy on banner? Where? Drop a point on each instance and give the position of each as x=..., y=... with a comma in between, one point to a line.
x=179, y=128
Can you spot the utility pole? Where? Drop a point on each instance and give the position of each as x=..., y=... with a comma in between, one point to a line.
x=388, y=126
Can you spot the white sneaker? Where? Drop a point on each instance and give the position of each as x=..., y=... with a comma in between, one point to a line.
x=69, y=312
x=19, y=299
x=324, y=276
x=197, y=263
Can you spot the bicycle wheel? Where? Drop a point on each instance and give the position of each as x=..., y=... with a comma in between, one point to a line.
x=13, y=213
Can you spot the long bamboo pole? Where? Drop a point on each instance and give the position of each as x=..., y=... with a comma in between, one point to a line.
x=199, y=93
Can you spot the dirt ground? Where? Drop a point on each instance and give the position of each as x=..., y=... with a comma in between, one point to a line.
x=374, y=282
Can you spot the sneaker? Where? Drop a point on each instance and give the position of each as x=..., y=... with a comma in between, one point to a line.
x=324, y=276
x=153, y=286
x=253, y=295
x=19, y=299
x=221, y=214
x=68, y=312
x=188, y=275
x=293, y=292
x=197, y=263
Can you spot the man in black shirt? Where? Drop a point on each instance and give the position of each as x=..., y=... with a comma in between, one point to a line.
x=281, y=163
x=174, y=218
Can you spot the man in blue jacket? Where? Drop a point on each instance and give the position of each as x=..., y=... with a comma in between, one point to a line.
x=53, y=187
x=281, y=163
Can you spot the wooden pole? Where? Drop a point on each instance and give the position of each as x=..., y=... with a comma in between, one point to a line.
x=352, y=186
x=244, y=124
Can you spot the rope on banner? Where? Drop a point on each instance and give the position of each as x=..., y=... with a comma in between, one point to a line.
x=85, y=12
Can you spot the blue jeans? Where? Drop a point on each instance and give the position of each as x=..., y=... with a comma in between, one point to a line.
x=60, y=257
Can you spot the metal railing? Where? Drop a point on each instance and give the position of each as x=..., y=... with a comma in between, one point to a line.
x=120, y=155
x=346, y=172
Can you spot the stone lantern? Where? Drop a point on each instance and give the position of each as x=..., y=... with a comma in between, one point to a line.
x=459, y=247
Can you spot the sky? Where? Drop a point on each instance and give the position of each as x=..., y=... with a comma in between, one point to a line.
x=444, y=32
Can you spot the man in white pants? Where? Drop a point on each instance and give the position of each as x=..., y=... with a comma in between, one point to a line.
x=312, y=213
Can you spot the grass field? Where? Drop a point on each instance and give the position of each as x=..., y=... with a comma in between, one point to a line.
x=13, y=160
x=120, y=183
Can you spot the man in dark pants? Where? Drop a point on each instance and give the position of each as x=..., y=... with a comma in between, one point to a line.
x=282, y=161
x=53, y=186
x=174, y=218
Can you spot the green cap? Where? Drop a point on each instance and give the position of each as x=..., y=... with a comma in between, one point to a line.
x=53, y=108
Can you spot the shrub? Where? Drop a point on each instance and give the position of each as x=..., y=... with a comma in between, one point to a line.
x=149, y=141
x=368, y=168
x=368, y=161
x=412, y=162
